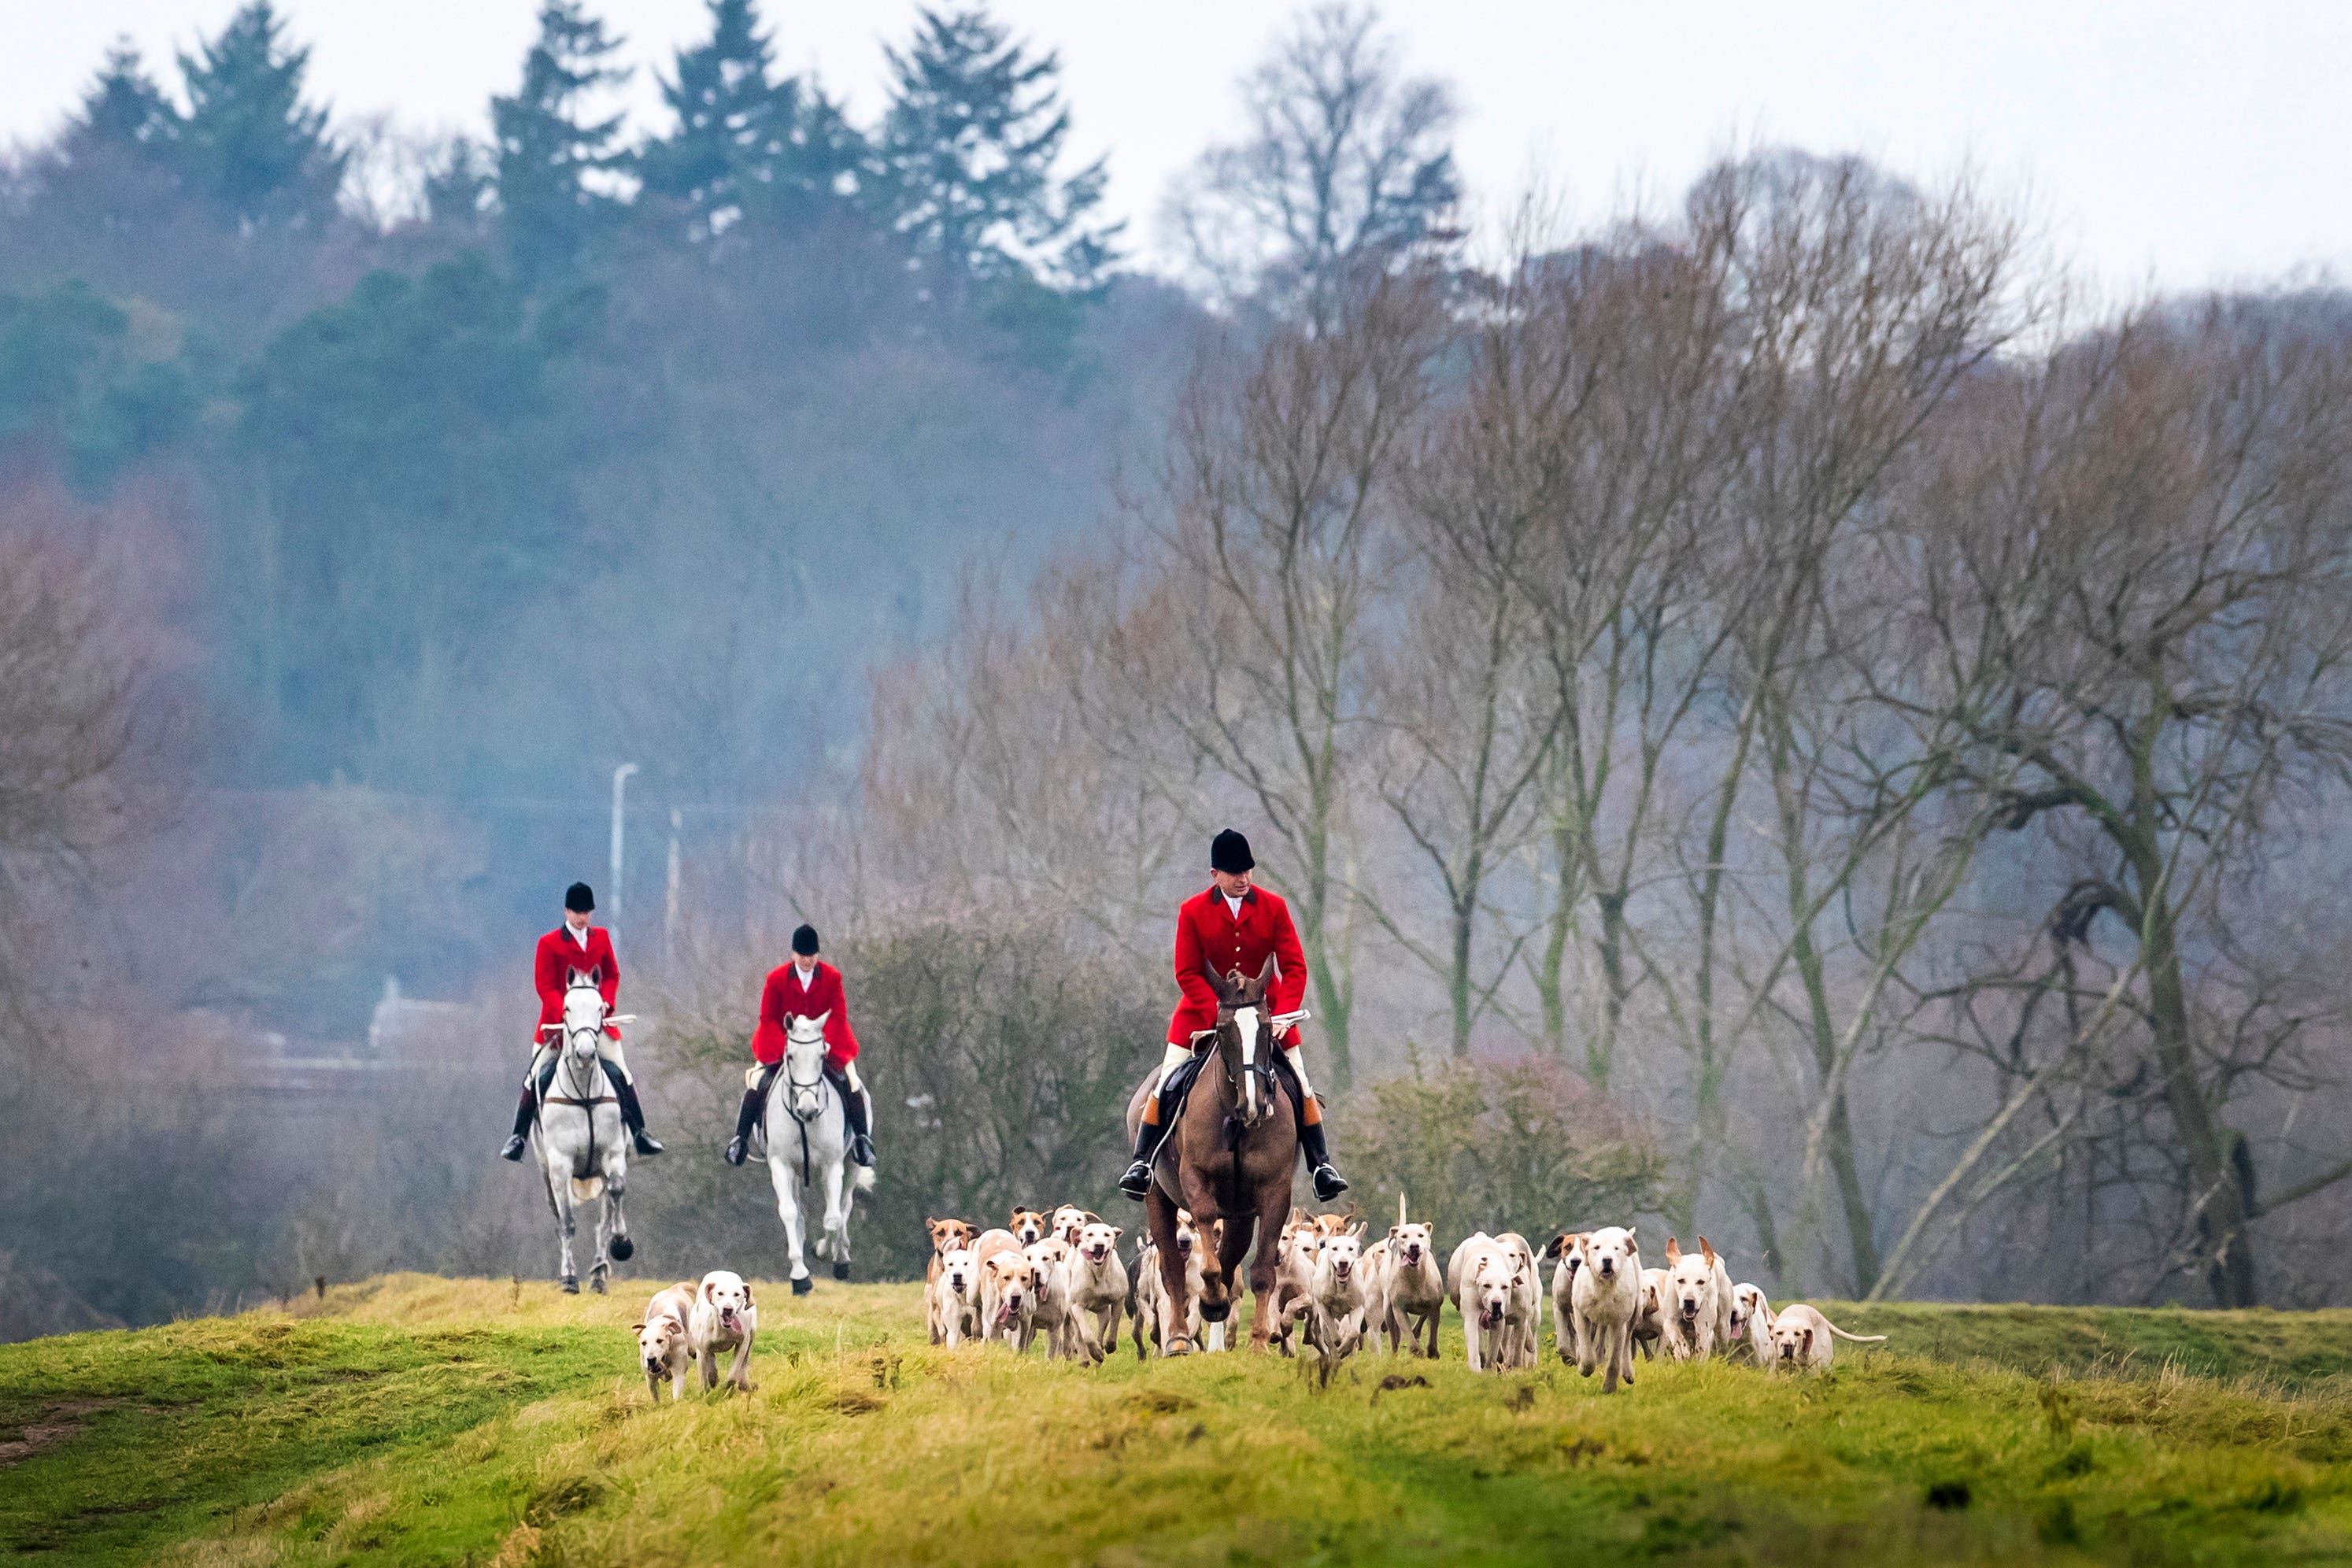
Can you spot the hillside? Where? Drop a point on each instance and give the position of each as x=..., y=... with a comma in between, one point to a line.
x=414, y=1419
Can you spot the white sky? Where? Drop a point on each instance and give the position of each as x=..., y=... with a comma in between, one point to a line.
x=2162, y=142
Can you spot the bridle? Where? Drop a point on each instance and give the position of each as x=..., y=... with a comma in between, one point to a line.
x=1250, y=1076
x=580, y=1081
x=813, y=1086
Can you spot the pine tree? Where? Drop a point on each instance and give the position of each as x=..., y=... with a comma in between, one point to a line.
x=249, y=143
x=746, y=146
x=546, y=151
x=968, y=147
x=124, y=108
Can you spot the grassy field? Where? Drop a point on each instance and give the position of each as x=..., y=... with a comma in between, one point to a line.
x=412, y=1419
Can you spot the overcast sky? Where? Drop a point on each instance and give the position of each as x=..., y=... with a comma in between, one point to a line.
x=2165, y=143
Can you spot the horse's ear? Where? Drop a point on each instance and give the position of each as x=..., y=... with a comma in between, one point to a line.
x=1224, y=987
x=1265, y=975
x=823, y=1019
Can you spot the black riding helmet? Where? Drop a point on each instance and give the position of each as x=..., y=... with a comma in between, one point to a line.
x=579, y=899
x=1229, y=852
x=804, y=941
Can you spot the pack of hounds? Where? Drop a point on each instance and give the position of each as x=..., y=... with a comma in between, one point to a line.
x=1059, y=1277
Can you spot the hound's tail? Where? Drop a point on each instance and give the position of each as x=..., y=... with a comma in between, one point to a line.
x=1401, y=1219
x=1858, y=1339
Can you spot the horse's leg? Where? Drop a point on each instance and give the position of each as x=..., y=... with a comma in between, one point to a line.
x=1159, y=1213
x=837, y=1221
x=1273, y=1213
x=620, y=1247
x=1216, y=1283
x=788, y=1207
x=559, y=1192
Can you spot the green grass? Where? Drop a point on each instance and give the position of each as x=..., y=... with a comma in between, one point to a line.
x=419, y=1420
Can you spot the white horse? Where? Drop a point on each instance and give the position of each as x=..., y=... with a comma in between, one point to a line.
x=583, y=1151
x=806, y=1131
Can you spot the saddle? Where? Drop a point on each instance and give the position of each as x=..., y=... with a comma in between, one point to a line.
x=612, y=1078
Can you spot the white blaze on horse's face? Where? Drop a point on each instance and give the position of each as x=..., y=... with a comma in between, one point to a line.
x=1245, y=1022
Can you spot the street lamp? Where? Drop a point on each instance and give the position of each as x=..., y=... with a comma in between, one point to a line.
x=620, y=783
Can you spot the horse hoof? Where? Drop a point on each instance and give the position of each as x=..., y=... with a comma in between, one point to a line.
x=596, y=1283
x=623, y=1248
x=841, y=1270
x=570, y=1286
x=803, y=1285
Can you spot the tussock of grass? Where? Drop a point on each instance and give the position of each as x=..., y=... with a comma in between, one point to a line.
x=424, y=1420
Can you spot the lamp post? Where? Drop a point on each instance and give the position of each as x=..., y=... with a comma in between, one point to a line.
x=620, y=785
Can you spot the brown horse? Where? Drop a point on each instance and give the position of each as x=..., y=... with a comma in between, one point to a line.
x=1230, y=1156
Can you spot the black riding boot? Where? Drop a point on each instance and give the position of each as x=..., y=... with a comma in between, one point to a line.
x=525, y=1110
x=853, y=1106
x=1328, y=1183
x=748, y=1113
x=1149, y=1135
x=632, y=1115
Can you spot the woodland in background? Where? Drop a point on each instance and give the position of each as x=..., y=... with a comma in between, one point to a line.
x=1776, y=714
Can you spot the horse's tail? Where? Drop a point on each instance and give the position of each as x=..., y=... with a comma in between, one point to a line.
x=587, y=1189
x=864, y=1181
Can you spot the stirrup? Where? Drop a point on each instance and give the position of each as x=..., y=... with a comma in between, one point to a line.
x=861, y=1149
x=513, y=1150
x=648, y=1145
x=735, y=1151
x=1137, y=1182
x=1328, y=1184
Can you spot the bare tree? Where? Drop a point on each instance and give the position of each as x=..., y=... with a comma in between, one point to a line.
x=1274, y=521
x=2189, y=584
x=1348, y=164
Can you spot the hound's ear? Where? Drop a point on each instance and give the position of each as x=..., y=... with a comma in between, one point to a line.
x=1809, y=1341
x=636, y=1328
x=1674, y=1252
x=1092, y=1218
x=704, y=1292
x=747, y=1293
x=1707, y=1251
x=1629, y=1233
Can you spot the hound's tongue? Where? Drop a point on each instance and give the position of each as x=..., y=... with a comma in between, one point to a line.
x=733, y=1324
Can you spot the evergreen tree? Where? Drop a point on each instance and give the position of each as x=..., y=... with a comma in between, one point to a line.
x=968, y=147
x=546, y=150
x=747, y=145
x=124, y=108
x=249, y=143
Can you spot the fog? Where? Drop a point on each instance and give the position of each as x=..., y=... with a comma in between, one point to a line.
x=1777, y=714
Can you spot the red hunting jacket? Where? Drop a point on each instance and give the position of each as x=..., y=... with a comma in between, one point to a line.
x=784, y=998
x=1208, y=936
x=559, y=953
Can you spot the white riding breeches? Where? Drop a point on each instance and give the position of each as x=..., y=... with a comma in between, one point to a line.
x=1174, y=1057
x=607, y=1050
x=1297, y=1057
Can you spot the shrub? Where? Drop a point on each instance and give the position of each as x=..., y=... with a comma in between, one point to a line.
x=1490, y=1144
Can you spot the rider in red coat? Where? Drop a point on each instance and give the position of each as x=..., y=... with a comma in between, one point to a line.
x=588, y=949
x=1229, y=926
x=805, y=988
